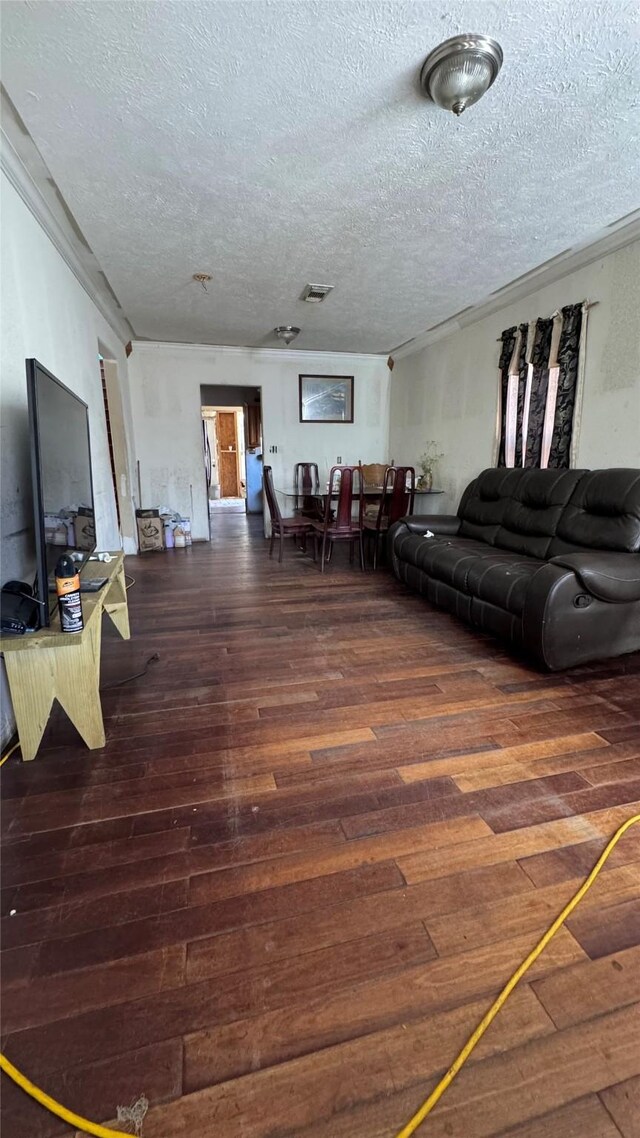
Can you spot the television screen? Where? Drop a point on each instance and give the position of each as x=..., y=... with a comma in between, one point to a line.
x=61, y=473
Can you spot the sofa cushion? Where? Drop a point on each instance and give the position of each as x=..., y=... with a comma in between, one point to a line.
x=426, y=552
x=482, y=510
x=449, y=559
x=603, y=513
x=532, y=515
x=502, y=579
x=496, y=576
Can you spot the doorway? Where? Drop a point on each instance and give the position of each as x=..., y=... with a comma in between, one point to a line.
x=227, y=475
x=232, y=443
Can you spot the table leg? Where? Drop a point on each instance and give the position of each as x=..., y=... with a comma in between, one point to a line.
x=78, y=686
x=32, y=688
x=70, y=674
x=115, y=604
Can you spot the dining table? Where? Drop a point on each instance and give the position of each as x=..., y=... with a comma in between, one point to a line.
x=372, y=493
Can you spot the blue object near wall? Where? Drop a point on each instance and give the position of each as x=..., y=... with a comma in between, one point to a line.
x=254, y=481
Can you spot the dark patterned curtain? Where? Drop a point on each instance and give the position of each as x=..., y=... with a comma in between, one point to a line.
x=523, y=368
x=568, y=357
x=538, y=390
x=508, y=344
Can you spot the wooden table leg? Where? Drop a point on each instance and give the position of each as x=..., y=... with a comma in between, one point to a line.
x=115, y=604
x=32, y=688
x=70, y=674
x=78, y=686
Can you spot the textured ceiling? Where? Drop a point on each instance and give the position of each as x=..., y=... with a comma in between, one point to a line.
x=275, y=143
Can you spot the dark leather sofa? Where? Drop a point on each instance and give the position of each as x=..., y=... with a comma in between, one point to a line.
x=547, y=559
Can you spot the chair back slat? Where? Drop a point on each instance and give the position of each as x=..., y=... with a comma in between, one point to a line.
x=306, y=477
x=403, y=488
x=272, y=500
x=306, y=481
x=345, y=482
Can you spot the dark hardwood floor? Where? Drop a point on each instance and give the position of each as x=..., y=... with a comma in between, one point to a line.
x=327, y=825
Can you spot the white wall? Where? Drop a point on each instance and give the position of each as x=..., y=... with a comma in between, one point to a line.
x=47, y=314
x=166, y=403
x=449, y=390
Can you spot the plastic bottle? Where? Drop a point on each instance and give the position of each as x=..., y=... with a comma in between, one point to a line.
x=68, y=590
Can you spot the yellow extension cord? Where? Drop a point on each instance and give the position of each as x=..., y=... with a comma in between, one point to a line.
x=474, y=1039
x=104, y=1132
x=45, y=1100
x=74, y=1120
x=9, y=754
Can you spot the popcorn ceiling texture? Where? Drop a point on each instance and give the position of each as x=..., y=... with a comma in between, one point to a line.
x=272, y=144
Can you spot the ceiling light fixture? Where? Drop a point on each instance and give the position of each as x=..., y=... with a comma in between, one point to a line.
x=286, y=332
x=202, y=279
x=458, y=72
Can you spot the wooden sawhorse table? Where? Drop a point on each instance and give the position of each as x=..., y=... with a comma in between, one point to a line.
x=50, y=664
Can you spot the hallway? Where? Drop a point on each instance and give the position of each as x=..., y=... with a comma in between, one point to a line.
x=326, y=826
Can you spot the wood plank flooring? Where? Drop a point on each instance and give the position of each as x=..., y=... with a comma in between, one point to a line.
x=326, y=826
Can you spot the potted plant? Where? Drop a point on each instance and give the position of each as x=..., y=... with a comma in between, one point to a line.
x=426, y=462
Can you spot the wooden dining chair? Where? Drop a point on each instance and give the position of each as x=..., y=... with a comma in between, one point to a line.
x=373, y=474
x=297, y=527
x=306, y=481
x=396, y=502
x=345, y=485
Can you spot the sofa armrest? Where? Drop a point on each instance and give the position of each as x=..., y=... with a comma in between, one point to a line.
x=609, y=576
x=446, y=524
x=565, y=623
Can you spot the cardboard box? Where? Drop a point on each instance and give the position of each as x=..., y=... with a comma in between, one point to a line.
x=85, y=531
x=150, y=530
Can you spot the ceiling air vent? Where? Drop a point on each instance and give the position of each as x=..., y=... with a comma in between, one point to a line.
x=315, y=293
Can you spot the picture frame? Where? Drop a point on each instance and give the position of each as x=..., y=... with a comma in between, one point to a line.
x=326, y=398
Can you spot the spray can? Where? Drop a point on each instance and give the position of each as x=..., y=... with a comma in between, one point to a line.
x=68, y=590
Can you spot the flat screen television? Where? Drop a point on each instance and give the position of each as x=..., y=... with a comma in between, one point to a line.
x=64, y=520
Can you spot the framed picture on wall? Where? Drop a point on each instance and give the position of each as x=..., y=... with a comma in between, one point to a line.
x=326, y=398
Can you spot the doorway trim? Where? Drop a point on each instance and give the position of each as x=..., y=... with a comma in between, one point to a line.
x=117, y=438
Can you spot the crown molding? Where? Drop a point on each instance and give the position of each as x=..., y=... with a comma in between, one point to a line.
x=20, y=178
x=274, y=354
x=610, y=240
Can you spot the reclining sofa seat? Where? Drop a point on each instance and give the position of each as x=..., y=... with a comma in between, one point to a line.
x=548, y=559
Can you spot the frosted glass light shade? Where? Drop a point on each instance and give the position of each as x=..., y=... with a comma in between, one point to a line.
x=460, y=70
x=460, y=81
